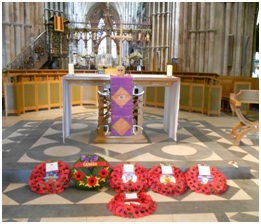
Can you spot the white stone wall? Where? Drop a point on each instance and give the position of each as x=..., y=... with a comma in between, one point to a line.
x=217, y=37
x=22, y=22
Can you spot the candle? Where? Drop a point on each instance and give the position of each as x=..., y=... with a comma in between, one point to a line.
x=169, y=70
x=71, y=69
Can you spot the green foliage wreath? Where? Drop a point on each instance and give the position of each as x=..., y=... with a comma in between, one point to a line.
x=90, y=172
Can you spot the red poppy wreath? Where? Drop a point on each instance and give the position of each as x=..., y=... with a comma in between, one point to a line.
x=90, y=172
x=172, y=184
x=50, y=177
x=137, y=180
x=215, y=183
x=135, y=208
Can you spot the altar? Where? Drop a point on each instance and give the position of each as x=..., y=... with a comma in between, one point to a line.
x=171, y=103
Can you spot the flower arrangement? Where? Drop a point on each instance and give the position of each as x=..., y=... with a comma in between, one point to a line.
x=136, y=208
x=90, y=172
x=169, y=185
x=216, y=184
x=43, y=182
x=135, y=55
x=137, y=181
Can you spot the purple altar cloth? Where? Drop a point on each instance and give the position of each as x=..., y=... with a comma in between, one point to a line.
x=121, y=105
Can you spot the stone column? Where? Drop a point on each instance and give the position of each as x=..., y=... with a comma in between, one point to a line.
x=193, y=36
x=6, y=41
x=238, y=39
x=167, y=45
x=36, y=24
x=157, y=63
x=218, y=52
x=233, y=30
x=153, y=14
x=172, y=33
x=32, y=20
x=12, y=35
x=180, y=50
x=206, y=50
x=251, y=10
x=176, y=34
x=147, y=50
x=46, y=14
x=185, y=37
x=56, y=8
x=211, y=37
x=65, y=8
x=162, y=37
x=22, y=16
x=40, y=17
x=227, y=30
x=202, y=36
x=17, y=28
x=27, y=25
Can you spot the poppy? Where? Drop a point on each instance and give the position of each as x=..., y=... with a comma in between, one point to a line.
x=78, y=175
x=103, y=173
x=92, y=181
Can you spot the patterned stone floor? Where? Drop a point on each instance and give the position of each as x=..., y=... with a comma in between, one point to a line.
x=35, y=137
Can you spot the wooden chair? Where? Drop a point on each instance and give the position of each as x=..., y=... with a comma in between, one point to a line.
x=248, y=121
x=239, y=86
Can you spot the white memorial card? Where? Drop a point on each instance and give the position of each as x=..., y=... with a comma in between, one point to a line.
x=204, y=174
x=51, y=166
x=131, y=196
x=204, y=170
x=128, y=168
x=166, y=169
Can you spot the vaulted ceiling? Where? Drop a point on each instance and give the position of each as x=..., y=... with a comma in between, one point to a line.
x=85, y=10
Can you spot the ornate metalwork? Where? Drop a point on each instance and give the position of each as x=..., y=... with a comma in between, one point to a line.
x=33, y=57
x=136, y=34
x=58, y=44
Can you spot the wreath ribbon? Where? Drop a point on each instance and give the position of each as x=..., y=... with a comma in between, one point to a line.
x=90, y=164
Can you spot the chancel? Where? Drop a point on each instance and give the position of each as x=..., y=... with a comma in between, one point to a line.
x=114, y=111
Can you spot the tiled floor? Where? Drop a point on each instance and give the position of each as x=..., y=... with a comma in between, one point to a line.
x=34, y=137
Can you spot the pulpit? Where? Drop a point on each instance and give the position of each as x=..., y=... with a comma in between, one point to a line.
x=103, y=81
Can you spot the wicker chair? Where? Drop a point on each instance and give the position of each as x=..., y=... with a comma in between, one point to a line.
x=249, y=120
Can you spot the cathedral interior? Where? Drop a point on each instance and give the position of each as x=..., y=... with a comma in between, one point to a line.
x=212, y=49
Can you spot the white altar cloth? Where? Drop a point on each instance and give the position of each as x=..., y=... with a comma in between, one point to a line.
x=171, y=102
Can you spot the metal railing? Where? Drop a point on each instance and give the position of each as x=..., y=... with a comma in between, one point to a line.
x=32, y=57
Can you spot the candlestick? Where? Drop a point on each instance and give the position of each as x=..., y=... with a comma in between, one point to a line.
x=169, y=70
x=71, y=69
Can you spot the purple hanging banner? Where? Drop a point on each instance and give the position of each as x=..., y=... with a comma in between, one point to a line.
x=121, y=105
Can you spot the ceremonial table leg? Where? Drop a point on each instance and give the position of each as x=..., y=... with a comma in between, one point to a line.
x=140, y=110
x=101, y=115
x=67, y=113
x=171, y=109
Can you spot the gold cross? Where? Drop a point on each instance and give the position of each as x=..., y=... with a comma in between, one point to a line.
x=121, y=37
